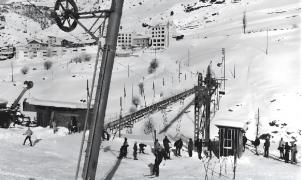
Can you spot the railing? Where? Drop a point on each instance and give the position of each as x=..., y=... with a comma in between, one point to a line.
x=134, y=117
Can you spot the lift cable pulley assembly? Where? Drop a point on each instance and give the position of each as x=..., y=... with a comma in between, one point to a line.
x=67, y=17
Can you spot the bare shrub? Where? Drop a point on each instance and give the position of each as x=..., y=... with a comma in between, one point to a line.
x=149, y=126
x=47, y=64
x=153, y=66
x=136, y=101
x=141, y=88
x=24, y=70
x=132, y=109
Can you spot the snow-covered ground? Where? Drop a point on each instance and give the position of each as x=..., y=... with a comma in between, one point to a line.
x=270, y=82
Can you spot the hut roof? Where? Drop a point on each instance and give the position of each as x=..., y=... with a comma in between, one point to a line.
x=57, y=104
x=231, y=123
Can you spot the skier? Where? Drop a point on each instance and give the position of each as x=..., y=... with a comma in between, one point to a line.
x=287, y=149
x=244, y=140
x=178, y=144
x=28, y=134
x=142, y=148
x=135, y=151
x=198, y=145
x=190, y=147
x=256, y=144
x=160, y=153
x=281, y=148
x=166, y=142
x=266, y=147
x=293, y=154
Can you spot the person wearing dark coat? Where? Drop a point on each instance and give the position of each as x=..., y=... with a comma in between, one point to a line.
x=293, y=154
x=210, y=147
x=178, y=144
x=123, y=149
x=281, y=148
x=190, y=147
x=142, y=148
x=198, y=145
x=256, y=144
x=69, y=126
x=287, y=149
x=244, y=141
x=160, y=153
x=166, y=142
x=266, y=147
x=135, y=151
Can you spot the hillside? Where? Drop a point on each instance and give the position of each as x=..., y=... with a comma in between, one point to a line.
x=255, y=79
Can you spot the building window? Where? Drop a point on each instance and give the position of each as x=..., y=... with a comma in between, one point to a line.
x=227, y=144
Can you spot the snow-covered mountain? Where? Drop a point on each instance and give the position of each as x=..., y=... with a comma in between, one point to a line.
x=255, y=79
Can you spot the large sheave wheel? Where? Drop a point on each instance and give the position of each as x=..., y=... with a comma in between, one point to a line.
x=66, y=14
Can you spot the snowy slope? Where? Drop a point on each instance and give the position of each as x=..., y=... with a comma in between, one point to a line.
x=269, y=82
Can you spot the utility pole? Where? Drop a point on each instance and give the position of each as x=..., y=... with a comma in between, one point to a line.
x=12, y=67
x=188, y=57
x=258, y=119
x=179, y=66
x=132, y=92
x=121, y=114
x=223, y=59
x=128, y=71
x=100, y=104
x=266, y=52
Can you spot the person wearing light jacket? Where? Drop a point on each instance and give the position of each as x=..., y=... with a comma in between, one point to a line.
x=28, y=134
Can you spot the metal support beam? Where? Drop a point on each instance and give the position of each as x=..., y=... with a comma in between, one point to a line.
x=197, y=107
x=100, y=105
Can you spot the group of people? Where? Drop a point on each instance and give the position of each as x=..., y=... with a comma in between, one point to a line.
x=163, y=152
x=124, y=149
x=286, y=151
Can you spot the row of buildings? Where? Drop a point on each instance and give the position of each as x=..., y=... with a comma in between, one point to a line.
x=158, y=36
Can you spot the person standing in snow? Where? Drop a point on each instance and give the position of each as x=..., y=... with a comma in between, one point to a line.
x=135, y=151
x=286, y=155
x=166, y=142
x=198, y=145
x=293, y=154
x=244, y=140
x=256, y=144
x=142, y=148
x=54, y=127
x=281, y=148
x=125, y=144
x=28, y=134
x=266, y=147
x=123, y=149
x=69, y=126
x=156, y=145
x=178, y=145
x=190, y=147
x=160, y=153
x=210, y=147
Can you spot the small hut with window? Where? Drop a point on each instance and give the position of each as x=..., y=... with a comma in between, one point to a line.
x=230, y=137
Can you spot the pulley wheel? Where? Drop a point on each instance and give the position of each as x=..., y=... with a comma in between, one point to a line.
x=66, y=15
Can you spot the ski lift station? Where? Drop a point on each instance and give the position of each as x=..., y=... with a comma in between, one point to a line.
x=61, y=112
x=230, y=137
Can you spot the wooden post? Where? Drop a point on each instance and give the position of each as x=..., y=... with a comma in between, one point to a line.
x=258, y=119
